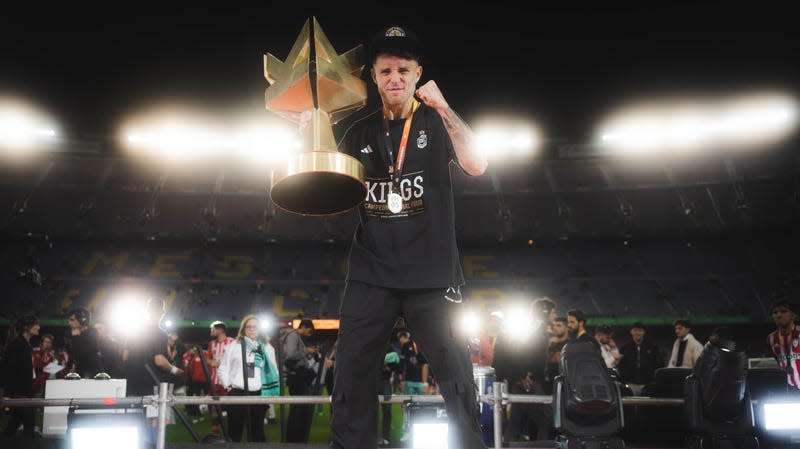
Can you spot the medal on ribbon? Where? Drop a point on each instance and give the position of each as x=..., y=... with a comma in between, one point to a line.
x=395, y=202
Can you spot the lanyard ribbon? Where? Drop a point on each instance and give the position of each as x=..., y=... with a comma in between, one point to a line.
x=396, y=167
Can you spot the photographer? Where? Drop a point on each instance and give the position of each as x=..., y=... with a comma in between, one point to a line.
x=299, y=377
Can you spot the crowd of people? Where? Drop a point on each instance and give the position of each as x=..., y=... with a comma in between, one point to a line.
x=90, y=350
x=528, y=363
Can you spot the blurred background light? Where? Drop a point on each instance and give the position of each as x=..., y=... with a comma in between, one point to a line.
x=689, y=125
x=25, y=128
x=502, y=138
x=191, y=136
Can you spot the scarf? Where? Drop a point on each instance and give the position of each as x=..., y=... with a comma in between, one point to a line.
x=270, y=384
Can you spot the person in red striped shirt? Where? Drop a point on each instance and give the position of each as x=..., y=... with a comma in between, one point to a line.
x=216, y=349
x=784, y=342
x=43, y=355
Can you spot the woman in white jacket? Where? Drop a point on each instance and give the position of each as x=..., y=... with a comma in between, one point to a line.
x=262, y=380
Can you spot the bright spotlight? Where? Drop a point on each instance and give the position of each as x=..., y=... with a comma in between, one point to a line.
x=470, y=322
x=24, y=128
x=181, y=135
x=168, y=323
x=689, y=125
x=500, y=139
x=267, y=324
x=264, y=144
x=519, y=323
x=128, y=314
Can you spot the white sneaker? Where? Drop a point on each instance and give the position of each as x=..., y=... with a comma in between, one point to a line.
x=383, y=442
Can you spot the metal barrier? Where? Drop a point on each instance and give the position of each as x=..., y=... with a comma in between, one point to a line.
x=497, y=400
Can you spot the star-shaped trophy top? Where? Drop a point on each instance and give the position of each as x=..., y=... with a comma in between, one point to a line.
x=314, y=76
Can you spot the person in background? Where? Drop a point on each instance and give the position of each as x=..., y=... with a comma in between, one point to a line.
x=482, y=345
x=246, y=370
x=83, y=344
x=216, y=349
x=576, y=327
x=414, y=368
x=389, y=365
x=298, y=362
x=146, y=362
x=608, y=347
x=783, y=341
x=110, y=357
x=558, y=338
x=194, y=376
x=686, y=348
x=43, y=355
x=175, y=350
x=640, y=360
x=19, y=374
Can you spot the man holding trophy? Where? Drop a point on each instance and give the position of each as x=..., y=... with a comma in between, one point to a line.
x=394, y=166
x=404, y=260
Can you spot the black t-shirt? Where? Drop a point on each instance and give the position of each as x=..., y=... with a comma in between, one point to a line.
x=415, y=248
x=411, y=362
x=84, y=351
x=142, y=350
x=110, y=359
x=18, y=369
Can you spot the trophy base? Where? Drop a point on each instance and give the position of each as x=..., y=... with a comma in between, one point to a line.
x=320, y=183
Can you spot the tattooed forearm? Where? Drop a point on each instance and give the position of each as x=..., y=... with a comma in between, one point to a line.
x=453, y=121
x=471, y=159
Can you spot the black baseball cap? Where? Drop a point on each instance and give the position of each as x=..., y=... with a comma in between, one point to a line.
x=397, y=40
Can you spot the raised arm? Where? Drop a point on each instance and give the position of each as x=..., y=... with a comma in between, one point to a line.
x=470, y=158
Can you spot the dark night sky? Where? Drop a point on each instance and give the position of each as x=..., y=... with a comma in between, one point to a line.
x=563, y=66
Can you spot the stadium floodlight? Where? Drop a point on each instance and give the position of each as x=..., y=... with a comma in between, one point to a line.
x=499, y=138
x=183, y=135
x=692, y=125
x=24, y=128
x=264, y=143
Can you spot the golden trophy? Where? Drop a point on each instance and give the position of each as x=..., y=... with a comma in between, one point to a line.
x=316, y=87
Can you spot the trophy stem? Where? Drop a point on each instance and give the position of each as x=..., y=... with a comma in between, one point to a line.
x=318, y=132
